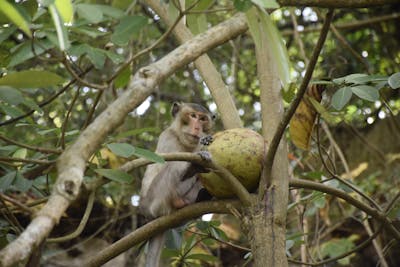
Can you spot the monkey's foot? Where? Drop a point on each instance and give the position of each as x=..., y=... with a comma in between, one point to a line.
x=206, y=140
x=205, y=155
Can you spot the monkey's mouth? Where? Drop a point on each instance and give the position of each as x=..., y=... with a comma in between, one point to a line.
x=193, y=137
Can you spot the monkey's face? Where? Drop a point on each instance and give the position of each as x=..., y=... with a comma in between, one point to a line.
x=195, y=125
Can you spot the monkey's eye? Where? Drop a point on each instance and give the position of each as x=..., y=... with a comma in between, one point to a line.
x=204, y=119
x=193, y=115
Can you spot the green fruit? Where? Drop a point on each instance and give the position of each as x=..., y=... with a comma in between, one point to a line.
x=241, y=152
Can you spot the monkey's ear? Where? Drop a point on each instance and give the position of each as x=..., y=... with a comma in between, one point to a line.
x=175, y=108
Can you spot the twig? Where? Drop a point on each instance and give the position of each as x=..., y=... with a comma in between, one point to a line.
x=34, y=148
x=343, y=255
x=376, y=214
x=220, y=240
x=343, y=181
x=10, y=216
x=351, y=25
x=78, y=78
x=81, y=225
x=159, y=225
x=297, y=37
x=65, y=123
x=92, y=109
x=149, y=48
x=35, y=161
x=16, y=203
x=347, y=46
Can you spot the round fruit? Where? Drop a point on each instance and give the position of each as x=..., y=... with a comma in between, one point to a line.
x=240, y=151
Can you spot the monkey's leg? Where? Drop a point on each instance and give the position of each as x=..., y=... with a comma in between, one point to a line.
x=154, y=250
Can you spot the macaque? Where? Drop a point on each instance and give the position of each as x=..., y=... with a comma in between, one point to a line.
x=173, y=185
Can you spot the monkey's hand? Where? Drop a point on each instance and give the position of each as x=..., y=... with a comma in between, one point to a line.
x=205, y=155
x=206, y=140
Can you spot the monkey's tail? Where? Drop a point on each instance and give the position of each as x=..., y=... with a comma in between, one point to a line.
x=155, y=247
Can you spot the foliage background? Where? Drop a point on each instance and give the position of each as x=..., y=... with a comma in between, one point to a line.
x=103, y=35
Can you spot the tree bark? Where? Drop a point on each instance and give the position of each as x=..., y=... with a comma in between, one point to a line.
x=268, y=215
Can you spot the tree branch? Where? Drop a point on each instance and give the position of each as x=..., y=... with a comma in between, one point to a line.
x=377, y=215
x=72, y=162
x=337, y=3
x=160, y=225
x=293, y=106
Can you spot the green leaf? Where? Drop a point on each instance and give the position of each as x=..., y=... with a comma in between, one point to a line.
x=122, y=149
x=336, y=246
x=91, y=13
x=242, y=5
x=218, y=233
x=116, y=58
x=341, y=97
x=202, y=257
x=289, y=92
x=112, y=12
x=201, y=225
x=366, y=92
x=266, y=36
x=14, y=16
x=62, y=34
x=97, y=57
x=65, y=10
x=21, y=183
x=20, y=153
x=115, y=175
x=394, y=80
x=189, y=243
x=89, y=31
x=356, y=78
x=320, y=202
x=8, y=149
x=6, y=32
x=197, y=23
x=10, y=95
x=266, y=3
x=123, y=78
x=31, y=79
x=127, y=26
x=6, y=181
x=28, y=102
x=27, y=51
x=169, y=253
x=147, y=154
x=13, y=112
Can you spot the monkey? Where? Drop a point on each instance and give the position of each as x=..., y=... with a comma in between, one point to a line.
x=173, y=185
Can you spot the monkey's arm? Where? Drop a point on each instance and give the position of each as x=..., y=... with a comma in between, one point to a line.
x=194, y=168
x=162, y=191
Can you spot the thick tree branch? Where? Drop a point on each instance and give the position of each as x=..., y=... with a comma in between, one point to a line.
x=293, y=106
x=337, y=3
x=72, y=162
x=160, y=225
x=194, y=211
x=239, y=190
